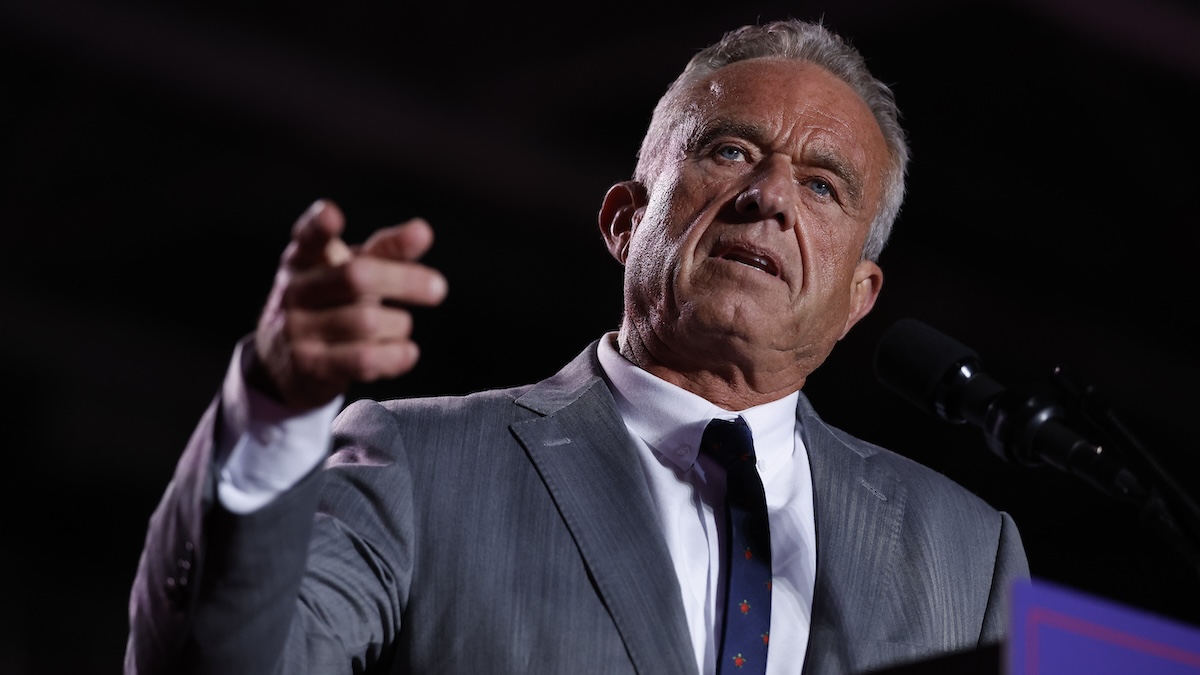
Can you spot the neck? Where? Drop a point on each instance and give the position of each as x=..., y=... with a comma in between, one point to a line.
x=721, y=375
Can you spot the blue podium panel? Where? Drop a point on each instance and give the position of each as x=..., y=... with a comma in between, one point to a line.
x=1059, y=631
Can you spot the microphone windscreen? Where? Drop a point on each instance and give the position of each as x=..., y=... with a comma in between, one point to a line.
x=913, y=359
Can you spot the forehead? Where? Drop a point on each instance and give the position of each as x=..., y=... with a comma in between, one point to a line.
x=791, y=100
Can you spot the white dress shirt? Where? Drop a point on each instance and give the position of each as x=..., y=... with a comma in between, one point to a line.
x=269, y=450
x=666, y=423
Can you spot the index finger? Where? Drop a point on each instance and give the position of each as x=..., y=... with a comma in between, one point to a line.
x=368, y=280
x=407, y=241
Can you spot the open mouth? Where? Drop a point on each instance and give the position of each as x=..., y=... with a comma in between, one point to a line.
x=750, y=259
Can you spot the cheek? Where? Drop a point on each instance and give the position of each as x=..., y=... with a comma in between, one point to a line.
x=656, y=233
x=664, y=239
x=653, y=258
x=833, y=250
x=656, y=259
x=647, y=258
x=823, y=244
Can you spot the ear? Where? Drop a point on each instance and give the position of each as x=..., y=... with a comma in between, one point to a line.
x=864, y=290
x=619, y=216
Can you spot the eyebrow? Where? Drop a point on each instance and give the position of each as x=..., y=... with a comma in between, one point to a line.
x=701, y=136
x=823, y=158
x=834, y=163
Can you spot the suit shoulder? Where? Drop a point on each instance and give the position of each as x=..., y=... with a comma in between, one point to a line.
x=923, y=481
x=436, y=406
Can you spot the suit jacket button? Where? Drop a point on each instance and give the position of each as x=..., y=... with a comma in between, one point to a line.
x=176, y=586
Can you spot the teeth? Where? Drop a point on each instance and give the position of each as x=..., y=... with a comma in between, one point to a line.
x=757, y=262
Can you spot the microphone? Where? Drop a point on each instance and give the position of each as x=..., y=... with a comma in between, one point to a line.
x=943, y=377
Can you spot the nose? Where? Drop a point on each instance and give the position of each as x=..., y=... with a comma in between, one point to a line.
x=770, y=192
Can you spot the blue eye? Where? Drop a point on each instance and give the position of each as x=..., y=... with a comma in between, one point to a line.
x=731, y=152
x=820, y=186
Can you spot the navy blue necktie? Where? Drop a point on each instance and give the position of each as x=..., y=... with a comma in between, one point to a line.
x=747, y=555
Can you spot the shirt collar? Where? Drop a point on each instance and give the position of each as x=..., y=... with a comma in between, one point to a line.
x=671, y=420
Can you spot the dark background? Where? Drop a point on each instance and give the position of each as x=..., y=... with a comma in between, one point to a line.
x=155, y=159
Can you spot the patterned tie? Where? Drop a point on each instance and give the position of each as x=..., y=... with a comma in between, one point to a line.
x=747, y=558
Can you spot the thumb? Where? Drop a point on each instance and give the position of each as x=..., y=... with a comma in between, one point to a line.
x=316, y=237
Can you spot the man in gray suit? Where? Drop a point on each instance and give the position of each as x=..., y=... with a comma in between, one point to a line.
x=572, y=526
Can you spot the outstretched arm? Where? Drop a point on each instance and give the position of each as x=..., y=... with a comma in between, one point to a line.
x=336, y=314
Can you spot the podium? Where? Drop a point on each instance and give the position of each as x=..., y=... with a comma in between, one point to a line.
x=1056, y=630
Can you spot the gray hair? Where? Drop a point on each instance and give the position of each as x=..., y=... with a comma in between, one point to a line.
x=813, y=43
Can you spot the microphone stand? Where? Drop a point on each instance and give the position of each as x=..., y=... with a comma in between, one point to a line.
x=1165, y=506
x=1028, y=426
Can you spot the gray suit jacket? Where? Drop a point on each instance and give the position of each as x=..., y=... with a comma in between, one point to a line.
x=512, y=531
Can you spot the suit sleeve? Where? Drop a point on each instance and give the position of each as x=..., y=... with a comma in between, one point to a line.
x=293, y=587
x=1011, y=565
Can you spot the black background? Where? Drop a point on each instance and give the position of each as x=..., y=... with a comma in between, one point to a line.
x=155, y=159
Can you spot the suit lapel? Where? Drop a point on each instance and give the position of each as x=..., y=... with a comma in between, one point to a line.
x=582, y=451
x=859, y=509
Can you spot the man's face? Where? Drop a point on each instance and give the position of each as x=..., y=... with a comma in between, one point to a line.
x=746, y=249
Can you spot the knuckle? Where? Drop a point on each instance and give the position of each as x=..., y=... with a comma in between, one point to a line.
x=290, y=326
x=363, y=322
x=356, y=275
x=306, y=358
x=404, y=323
x=364, y=364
